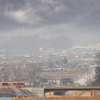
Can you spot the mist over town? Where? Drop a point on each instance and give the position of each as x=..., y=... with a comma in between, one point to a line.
x=50, y=48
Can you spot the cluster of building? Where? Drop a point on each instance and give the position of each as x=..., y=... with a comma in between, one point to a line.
x=46, y=67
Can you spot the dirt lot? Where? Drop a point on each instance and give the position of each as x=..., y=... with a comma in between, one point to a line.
x=59, y=98
x=4, y=91
x=73, y=74
x=25, y=91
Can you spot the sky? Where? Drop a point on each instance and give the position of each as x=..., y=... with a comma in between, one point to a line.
x=77, y=19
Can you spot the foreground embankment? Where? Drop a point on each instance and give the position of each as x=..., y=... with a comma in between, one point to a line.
x=59, y=98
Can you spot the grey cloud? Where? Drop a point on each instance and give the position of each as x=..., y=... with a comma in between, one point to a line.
x=24, y=16
x=42, y=11
x=48, y=11
x=48, y=17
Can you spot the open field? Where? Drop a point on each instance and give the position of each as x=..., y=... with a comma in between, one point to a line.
x=6, y=98
x=74, y=75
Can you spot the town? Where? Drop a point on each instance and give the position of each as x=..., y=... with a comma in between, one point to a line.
x=50, y=67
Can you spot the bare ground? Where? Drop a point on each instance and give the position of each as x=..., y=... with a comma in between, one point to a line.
x=59, y=98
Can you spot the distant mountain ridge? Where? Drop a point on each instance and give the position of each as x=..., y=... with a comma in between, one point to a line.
x=30, y=42
x=79, y=19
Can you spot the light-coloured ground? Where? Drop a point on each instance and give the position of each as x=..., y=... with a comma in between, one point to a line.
x=59, y=98
x=86, y=94
x=76, y=93
x=67, y=73
x=7, y=98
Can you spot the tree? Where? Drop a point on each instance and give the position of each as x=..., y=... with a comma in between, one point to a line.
x=33, y=71
x=50, y=63
x=97, y=75
x=5, y=74
x=65, y=60
x=97, y=69
x=18, y=73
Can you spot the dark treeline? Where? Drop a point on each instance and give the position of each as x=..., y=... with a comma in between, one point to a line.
x=30, y=42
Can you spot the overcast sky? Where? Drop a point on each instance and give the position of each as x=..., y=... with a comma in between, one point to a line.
x=78, y=19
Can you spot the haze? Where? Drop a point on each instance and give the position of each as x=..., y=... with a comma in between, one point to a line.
x=79, y=20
